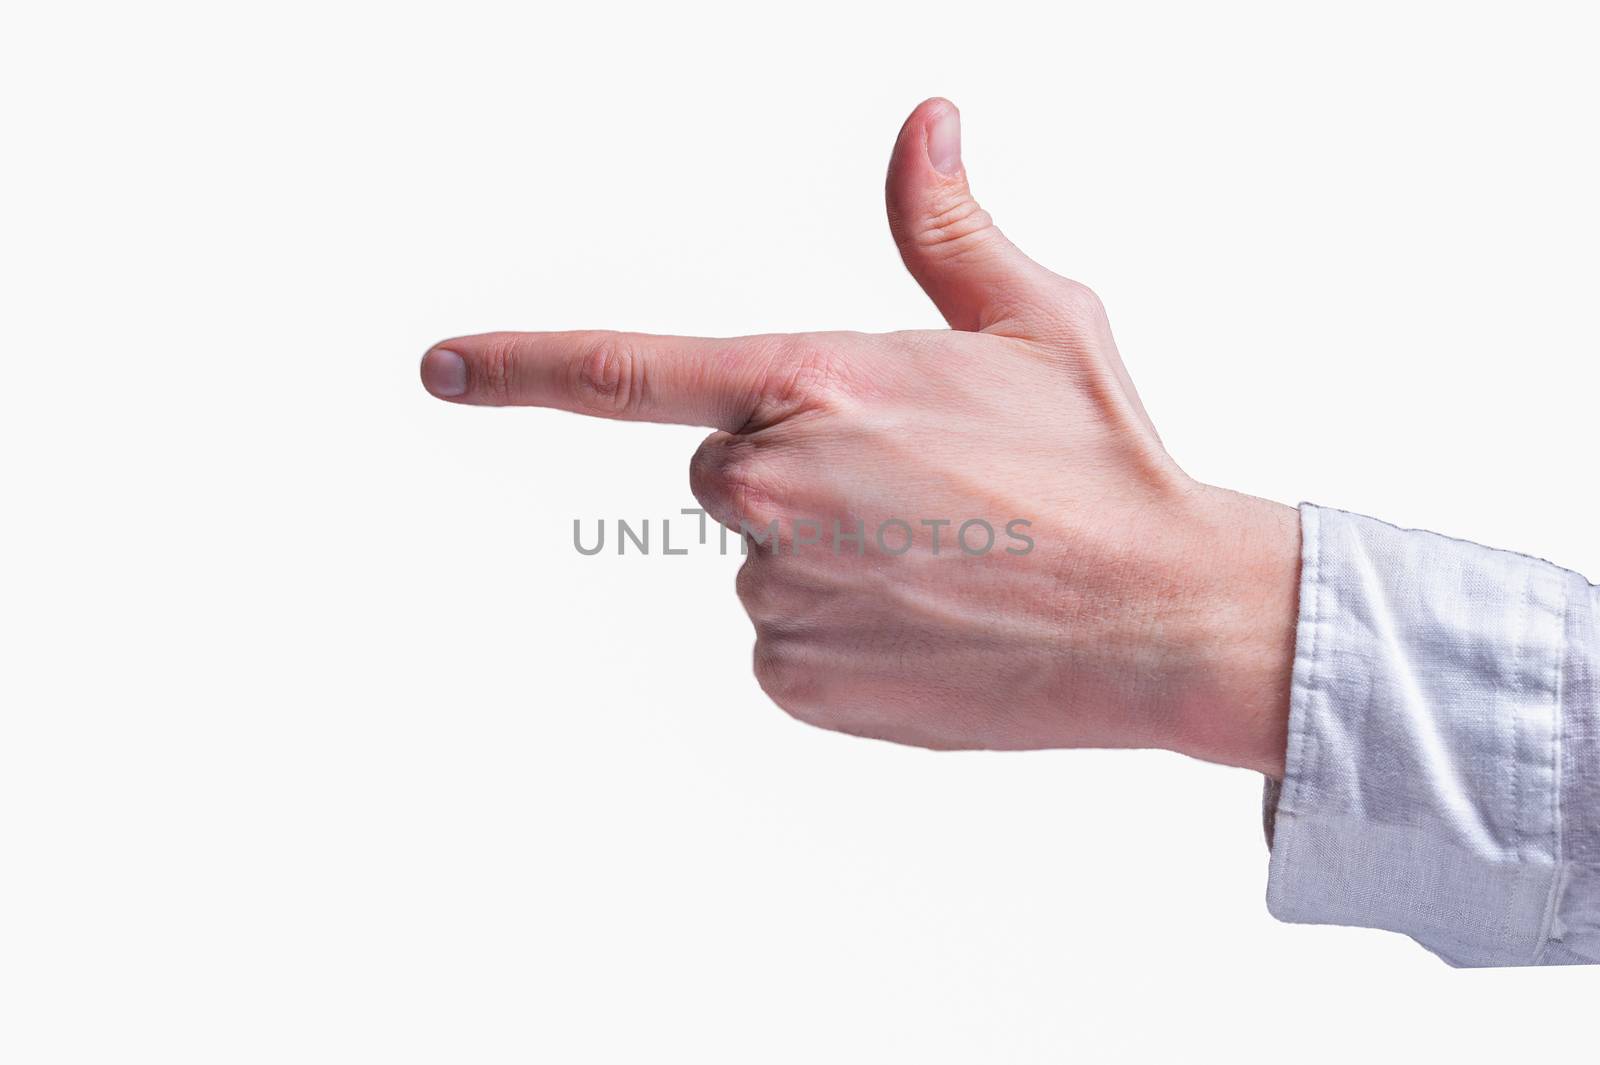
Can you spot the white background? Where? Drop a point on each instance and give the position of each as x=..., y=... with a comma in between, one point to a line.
x=320, y=742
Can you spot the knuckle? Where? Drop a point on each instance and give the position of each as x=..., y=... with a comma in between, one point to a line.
x=710, y=472
x=730, y=482
x=705, y=470
x=954, y=227
x=786, y=683
x=772, y=668
x=608, y=377
x=497, y=365
x=767, y=593
x=750, y=587
x=813, y=376
x=748, y=495
x=1081, y=301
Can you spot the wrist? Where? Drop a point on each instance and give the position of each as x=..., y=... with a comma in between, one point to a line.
x=1244, y=594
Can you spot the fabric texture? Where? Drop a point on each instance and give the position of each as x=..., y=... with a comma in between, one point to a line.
x=1442, y=777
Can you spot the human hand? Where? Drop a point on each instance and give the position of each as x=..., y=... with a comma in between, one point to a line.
x=1135, y=608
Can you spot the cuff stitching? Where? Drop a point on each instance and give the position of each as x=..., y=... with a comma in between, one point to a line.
x=1304, y=680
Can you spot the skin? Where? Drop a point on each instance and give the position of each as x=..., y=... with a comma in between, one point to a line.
x=1151, y=610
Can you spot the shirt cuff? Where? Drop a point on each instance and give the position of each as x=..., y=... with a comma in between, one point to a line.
x=1442, y=693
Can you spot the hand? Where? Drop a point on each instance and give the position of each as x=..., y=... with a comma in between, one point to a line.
x=1149, y=611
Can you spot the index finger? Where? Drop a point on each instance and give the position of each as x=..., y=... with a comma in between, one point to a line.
x=633, y=376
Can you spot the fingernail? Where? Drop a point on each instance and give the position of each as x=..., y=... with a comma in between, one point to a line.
x=944, y=141
x=444, y=373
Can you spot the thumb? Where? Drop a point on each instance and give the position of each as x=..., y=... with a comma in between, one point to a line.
x=977, y=278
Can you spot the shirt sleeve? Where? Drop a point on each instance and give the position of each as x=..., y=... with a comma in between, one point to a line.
x=1442, y=777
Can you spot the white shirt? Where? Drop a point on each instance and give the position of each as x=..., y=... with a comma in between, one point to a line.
x=1443, y=768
